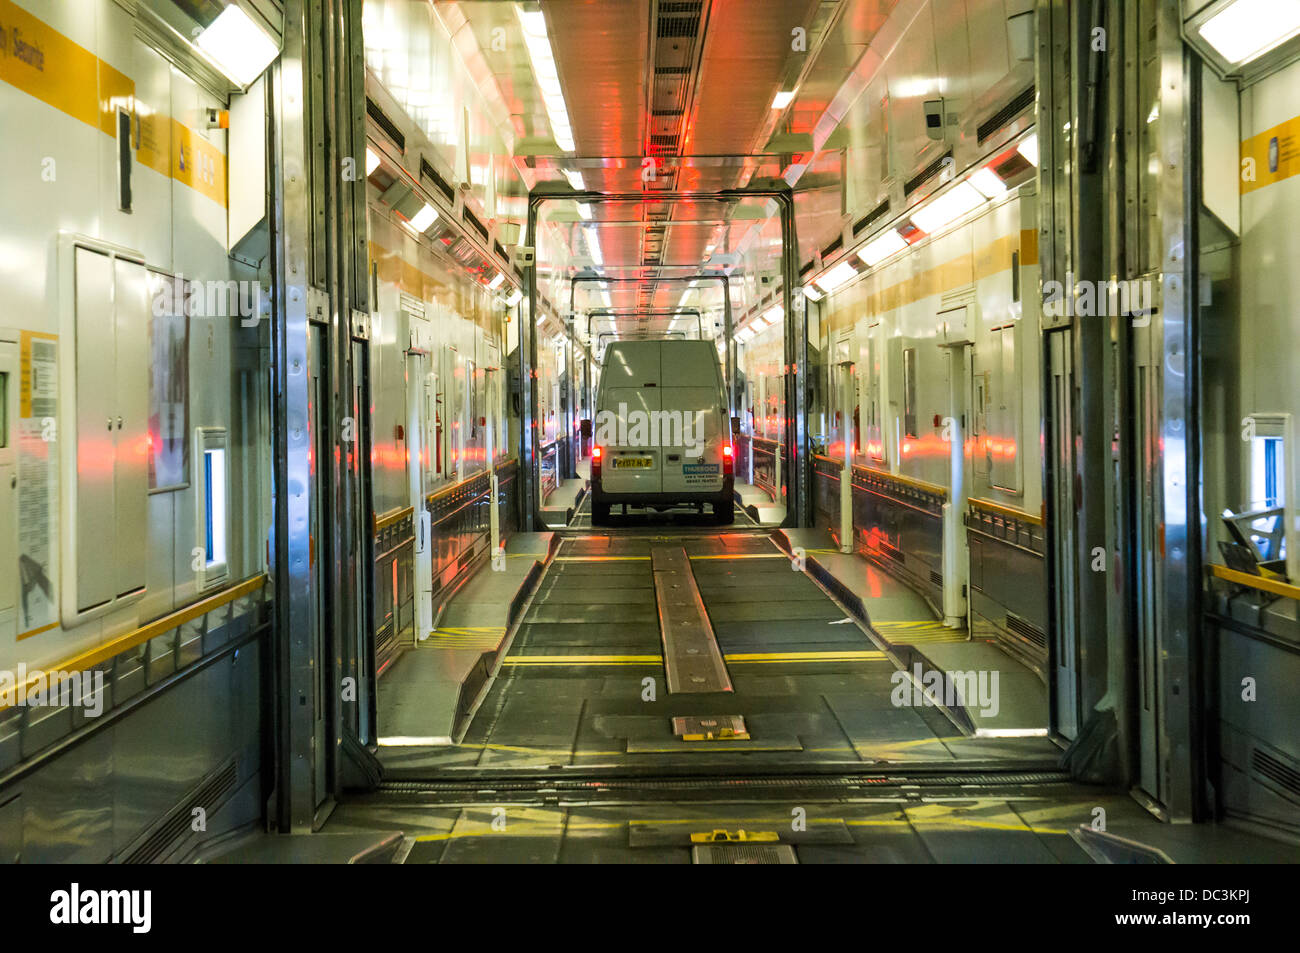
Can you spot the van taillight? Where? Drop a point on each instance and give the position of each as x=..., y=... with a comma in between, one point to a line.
x=595, y=461
x=728, y=460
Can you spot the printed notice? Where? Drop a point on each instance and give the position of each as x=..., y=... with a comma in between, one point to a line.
x=38, y=474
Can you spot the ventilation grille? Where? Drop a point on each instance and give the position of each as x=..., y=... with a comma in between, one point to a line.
x=893, y=552
x=833, y=247
x=803, y=272
x=1026, y=630
x=936, y=578
x=496, y=247
x=442, y=184
x=209, y=796
x=1019, y=104
x=926, y=174
x=1280, y=773
x=474, y=223
x=871, y=217
x=384, y=123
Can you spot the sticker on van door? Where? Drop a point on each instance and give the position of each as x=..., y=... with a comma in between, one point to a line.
x=701, y=472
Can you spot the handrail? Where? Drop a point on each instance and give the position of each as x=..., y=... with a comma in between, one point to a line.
x=818, y=456
x=150, y=630
x=906, y=480
x=1275, y=586
x=448, y=490
x=1002, y=510
x=391, y=517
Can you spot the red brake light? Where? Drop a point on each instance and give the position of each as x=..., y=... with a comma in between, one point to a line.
x=728, y=460
x=595, y=461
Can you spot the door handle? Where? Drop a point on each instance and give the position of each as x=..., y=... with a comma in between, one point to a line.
x=110, y=424
x=119, y=423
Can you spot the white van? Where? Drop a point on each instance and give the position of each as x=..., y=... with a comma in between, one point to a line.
x=661, y=435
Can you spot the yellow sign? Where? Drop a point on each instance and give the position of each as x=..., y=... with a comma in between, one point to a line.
x=1271, y=156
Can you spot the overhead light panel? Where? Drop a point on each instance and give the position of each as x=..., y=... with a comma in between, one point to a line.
x=1029, y=149
x=584, y=211
x=495, y=283
x=989, y=183
x=1247, y=29
x=575, y=179
x=960, y=200
x=773, y=315
x=837, y=276
x=237, y=46
x=422, y=219
x=876, y=251
x=783, y=99
x=514, y=297
x=542, y=57
x=372, y=161
x=811, y=293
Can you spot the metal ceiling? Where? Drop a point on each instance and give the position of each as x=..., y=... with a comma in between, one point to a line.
x=677, y=95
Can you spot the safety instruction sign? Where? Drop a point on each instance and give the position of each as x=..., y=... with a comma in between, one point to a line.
x=38, y=487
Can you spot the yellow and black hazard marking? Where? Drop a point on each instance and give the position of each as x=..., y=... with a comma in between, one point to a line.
x=721, y=836
x=465, y=637
x=710, y=728
x=914, y=632
x=741, y=658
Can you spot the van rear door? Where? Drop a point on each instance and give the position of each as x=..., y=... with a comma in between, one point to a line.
x=691, y=393
x=629, y=399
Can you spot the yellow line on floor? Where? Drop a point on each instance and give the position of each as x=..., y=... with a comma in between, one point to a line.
x=600, y=559
x=738, y=658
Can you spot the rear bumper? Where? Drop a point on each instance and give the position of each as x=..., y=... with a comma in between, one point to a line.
x=727, y=491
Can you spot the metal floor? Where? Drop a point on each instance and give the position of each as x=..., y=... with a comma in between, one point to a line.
x=810, y=682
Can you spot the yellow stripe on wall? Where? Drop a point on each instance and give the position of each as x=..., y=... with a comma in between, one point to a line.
x=43, y=63
x=1264, y=163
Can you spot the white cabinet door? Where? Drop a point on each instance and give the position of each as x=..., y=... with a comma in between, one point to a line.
x=96, y=430
x=131, y=424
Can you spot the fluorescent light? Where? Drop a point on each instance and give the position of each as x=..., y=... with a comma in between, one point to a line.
x=495, y=283
x=237, y=45
x=422, y=219
x=1248, y=29
x=874, y=252
x=542, y=57
x=1029, y=149
x=783, y=99
x=514, y=297
x=575, y=179
x=841, y=273
x=988, y=182
x=584, y=211
x=593, y=246
x=372, y=161
x=773, y=315
x=811, y=293
x=948, y=207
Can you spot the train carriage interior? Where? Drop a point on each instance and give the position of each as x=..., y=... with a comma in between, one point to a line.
x=597, y=431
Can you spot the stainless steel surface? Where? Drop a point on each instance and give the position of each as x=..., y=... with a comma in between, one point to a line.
x=692, y=660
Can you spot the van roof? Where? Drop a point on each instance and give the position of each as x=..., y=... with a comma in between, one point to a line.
x=664, y=363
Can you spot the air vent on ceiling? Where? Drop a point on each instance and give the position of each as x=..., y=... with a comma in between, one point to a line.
x=210, y=796
x=439, y=182
x=1018, y=104
x=926, y=174
x=496, y=247
x=474, y=223
x=679, y=19
x=871, y=217
x=1026, y=630
x=803, y=272
x=833, y=247
x=388, y=127
x=1275, y=770
x=936, y=578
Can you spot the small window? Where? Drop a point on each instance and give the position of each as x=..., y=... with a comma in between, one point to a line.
x=124, y=160
x=213, y=512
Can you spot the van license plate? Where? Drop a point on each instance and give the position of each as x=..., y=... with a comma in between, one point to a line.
x=633, y=463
